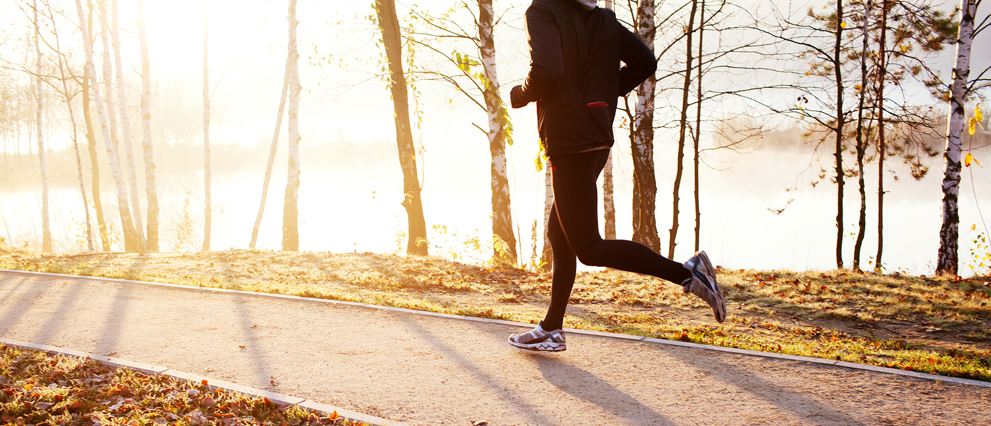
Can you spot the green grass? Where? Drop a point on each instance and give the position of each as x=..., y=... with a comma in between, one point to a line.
x=42, y=389
x=935, y=325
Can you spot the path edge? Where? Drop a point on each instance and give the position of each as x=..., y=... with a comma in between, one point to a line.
x=746, y=352
x=211, y=382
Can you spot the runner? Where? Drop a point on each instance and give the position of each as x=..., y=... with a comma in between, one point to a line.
x=576, y=78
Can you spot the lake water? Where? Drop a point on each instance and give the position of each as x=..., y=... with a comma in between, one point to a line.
x=359, y=210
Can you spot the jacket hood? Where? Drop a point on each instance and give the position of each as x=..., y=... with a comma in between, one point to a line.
x=588, y=4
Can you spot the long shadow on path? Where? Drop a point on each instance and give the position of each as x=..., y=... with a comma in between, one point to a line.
x=783, y=398
x=586, y=386
x=20, y=298
x=532, y=412
x=116, y=319
x=249, y=333
x=65, y=307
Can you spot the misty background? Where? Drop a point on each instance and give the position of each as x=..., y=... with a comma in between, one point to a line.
x=763, y=205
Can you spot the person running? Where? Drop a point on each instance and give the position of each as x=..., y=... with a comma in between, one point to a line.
x=576, y=78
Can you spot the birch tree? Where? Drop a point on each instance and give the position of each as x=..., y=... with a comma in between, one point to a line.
x=642, y=142
x=151, y=187
x=546, y=254
x=962, y=87
x=130, y=235
x=46, y=231
x=476, y=76
x=608, y=186
x=88, y=81
x=498, y=118
x=207, y=203
x=388, y=24
x=271, y=154
x=125, y=123
x=290, y=225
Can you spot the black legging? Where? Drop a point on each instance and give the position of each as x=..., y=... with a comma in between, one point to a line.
x=573, y=232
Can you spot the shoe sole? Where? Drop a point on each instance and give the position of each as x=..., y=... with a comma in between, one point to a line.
x=540, y=347
x=718, y=294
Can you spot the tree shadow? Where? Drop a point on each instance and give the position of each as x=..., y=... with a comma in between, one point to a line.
x=813, y=411
x=248, y=329
x=532, y=412
x=18, y=304
x=588, y=387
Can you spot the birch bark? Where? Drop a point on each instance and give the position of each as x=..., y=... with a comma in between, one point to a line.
x=207, y=202
x=125, y=125
x=151, y=187
x=502, y=219
x=290, y=215
x=271, y=155
x=46, y=230
x=546, y=254
x=608, y=188
x=644, y=181
x=85, y=26
x=949, y=232
x=130, y=236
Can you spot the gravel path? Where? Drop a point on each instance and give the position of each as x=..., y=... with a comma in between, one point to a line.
x=429, y=370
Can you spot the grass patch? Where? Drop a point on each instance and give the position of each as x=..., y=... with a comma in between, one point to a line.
x=43, y=389
x=934, y=325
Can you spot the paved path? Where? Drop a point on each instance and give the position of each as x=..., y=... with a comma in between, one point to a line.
x=428, y=370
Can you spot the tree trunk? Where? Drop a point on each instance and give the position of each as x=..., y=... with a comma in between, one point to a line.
x=862, y=143
x=108, y=78
x=609, y=199
x=682, y=130
x=837, y=58
x=698, y=132
x=546, y=254
x=130, y=235
x=389, y=25
x=271, y=154
x=290, y=215
x=608, y=187
x=151, y=187
x=207, y=202
x=125, y=127
x=949, y=232
x=91, y=132
x=46, y=230
x=502, y=218
x=880, y=135
x=75, y=133
x=642, y=137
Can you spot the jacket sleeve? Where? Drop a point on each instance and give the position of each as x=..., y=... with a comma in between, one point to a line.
x=638, y=59
x=546, y=58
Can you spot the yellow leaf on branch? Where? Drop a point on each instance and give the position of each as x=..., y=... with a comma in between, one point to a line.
x=967, y=159
x=973, y=126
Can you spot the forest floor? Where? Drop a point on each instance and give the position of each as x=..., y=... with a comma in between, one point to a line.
x=935, y=325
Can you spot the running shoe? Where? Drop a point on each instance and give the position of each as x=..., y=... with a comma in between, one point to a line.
x=703, y=284
x=539, y=339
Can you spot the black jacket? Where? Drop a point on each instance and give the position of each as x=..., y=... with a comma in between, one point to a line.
x=575, y=75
